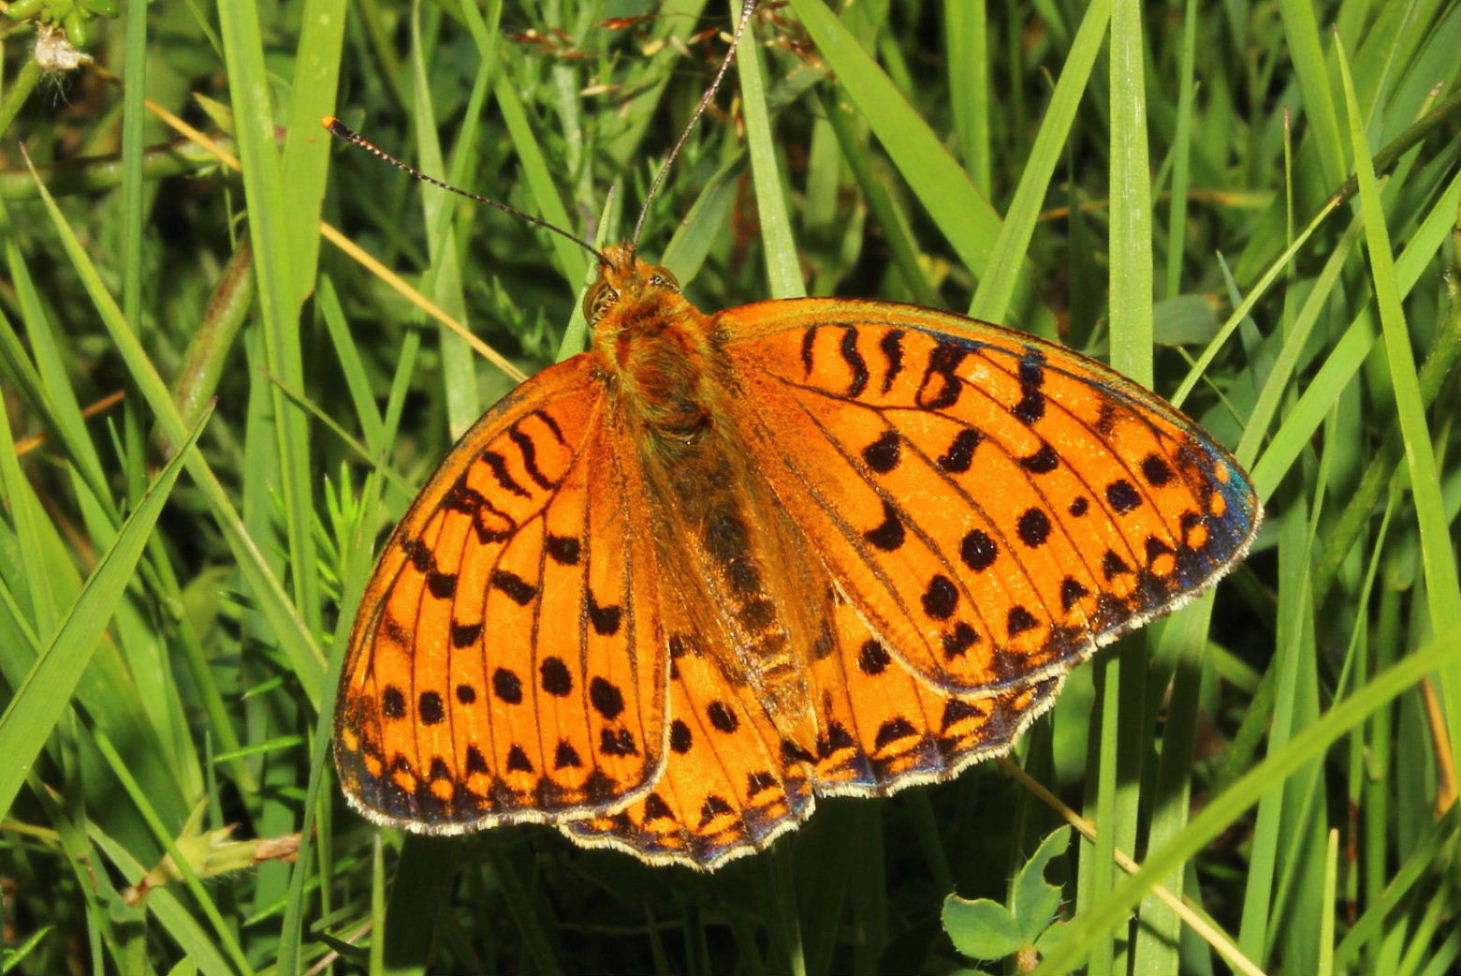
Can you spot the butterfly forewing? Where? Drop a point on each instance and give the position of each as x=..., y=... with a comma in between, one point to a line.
x=995, y=506
x=507, y=664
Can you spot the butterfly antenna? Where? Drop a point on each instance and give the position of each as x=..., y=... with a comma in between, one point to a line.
x=748, y=7
x=343, y=132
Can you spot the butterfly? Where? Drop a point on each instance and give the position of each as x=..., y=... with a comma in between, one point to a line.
x=670, y=591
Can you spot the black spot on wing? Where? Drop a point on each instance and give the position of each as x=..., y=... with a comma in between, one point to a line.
x=1032, y=368
x=1156, y=548
x=443, y=586
x=873, y=658
x=1021, y=620
x=1156, y=470
x=809, y=342
x=566, y=757
x=855, y=363
x=758, y=781
x=518, y=761
x=1031, y=406
x=507, y=686
x=722, y=717
x=564, y=550
x=892, y=730
x=978, y=550
x=883, y=454
x=940, y=387
x=430, y=707
x=517, y=589
x=605, y=620
x=465, y=635
x=600, y=787
x=390, y=629
x=420, y=555
x=1034, y=527
x=655, y=808
x=714, y=806
x=617, y=742
x=1123, y=496
x=462, y=497
x=960, y=454
x=497, y=464
x=1112, y=565
x=957, y=642
x=1042, y=461
x=1071, y=592
x=528, y=451
x=889, y=535
x=555, y=677
x=955, y=711
x=606, y=698
x=680, y=737
x=794, y=754
x=891, y=345
x=838, y=738
x=940, y=598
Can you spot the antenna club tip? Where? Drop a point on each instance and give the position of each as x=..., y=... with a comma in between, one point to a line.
x=329, y=121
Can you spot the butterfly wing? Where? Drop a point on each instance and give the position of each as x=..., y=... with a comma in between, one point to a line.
x=884, y=727
x=990, y=507
x=508, y=664
x=729, y=787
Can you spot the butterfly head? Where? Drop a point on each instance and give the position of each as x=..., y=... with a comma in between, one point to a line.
x=631, y=287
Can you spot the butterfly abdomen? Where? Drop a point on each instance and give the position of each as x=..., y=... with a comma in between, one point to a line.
x=730, y=550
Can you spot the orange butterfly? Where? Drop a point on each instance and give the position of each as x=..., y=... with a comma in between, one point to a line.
x=670, y=591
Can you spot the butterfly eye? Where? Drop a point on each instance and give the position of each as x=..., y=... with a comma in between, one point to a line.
x=597, y=300
x=665, y=278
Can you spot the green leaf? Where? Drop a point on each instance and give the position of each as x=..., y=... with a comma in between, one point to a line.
x=1033, y=900
x=981, y=929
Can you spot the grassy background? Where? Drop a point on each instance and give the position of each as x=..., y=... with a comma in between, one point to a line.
x=1251, y=206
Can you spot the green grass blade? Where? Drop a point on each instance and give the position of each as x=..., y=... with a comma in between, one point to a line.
x=1007, y=262
x=1207, y=825
x=964, y=217
x=279, y=294
x=783, y=270
x=46, y=691
x=1443, y=586
x=294, y=635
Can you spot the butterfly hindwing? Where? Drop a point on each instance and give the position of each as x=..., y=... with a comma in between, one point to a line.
x=883, y=727
x=508, y=664
x=729, y=787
